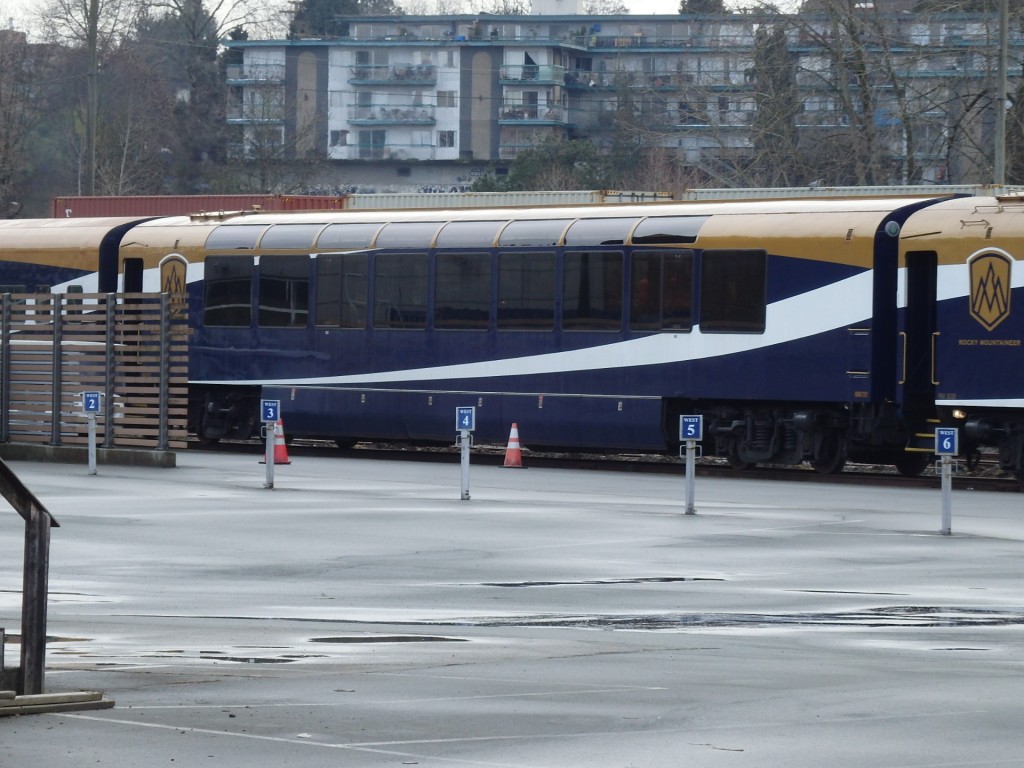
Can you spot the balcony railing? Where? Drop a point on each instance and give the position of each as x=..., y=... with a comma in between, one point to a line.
x=261, y=74
x=394, y=74
x=541, y=74
x=381, y=114
x=378, y=152
x=543, y=114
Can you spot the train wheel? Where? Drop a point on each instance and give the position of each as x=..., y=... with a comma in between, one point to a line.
x=912, y=464
x=735, y=461
x=831, y=456
x=972, y=458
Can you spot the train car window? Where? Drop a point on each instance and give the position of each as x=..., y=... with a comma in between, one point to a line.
x=599, y=231
x=341, y=287
x=408, y=234
x=732, y=291
x=469, y=234
x=661, y=291
x=400, y=290
x=228, y=238
x=462, y=291
x=133, y=271
x=227, y=299
x=339, y=237
x=592, y=291
x=668, y=229
x=543, y=232
x=526, y=291
x=290, y=236
x=284, y=291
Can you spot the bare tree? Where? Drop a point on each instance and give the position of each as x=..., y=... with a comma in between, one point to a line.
x=98, y=26
x=18, y=115
x=137, y=128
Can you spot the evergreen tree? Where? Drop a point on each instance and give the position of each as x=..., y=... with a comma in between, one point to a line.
x=702, y=6
x=323, y=18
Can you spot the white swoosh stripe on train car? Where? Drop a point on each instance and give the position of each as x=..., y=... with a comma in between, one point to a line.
x=1014, y=402
x=839, y=305
x=954, y=282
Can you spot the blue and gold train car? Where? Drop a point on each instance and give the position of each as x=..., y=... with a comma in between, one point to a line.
x=591, y=326
x=820, y=330
x=964, y=291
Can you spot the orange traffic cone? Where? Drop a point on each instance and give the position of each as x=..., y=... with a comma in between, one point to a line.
x=514, y=454
x=280, y=449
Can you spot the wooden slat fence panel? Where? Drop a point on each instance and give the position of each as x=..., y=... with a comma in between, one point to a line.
x=130, y=347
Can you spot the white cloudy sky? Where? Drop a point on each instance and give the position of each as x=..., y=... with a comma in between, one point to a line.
x=18, y=9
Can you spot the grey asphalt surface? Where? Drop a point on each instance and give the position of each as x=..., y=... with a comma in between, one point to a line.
x=362, y=614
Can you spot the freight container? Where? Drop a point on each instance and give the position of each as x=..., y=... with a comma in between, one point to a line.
x=496, y=199
x=183, y=205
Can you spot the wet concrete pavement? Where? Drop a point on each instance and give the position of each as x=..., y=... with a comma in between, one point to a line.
x=362, y=614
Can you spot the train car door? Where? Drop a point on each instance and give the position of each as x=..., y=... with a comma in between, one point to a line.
x=919, y=330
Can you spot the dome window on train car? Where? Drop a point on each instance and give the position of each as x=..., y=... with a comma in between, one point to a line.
x=234, y=238
x=346, y=237
x=592, y=291
x=668, y=229
x=408, y=234
x=400, y=290
x=292, y=237
x=462, y=291
x=284, y=291
x=526, y=291
x=227, y=291
x=341, y=285
x=732, y=291
x=661, y=291
x=469, y=234
x=539, y=232
x=600, y=231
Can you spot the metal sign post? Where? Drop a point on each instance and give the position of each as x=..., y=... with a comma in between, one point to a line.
x=691, y=432
x=946, y=447
x=465, y=423
x=270, y=412
x=91, y=402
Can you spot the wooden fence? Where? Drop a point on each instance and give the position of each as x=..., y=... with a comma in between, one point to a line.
x=130, y=347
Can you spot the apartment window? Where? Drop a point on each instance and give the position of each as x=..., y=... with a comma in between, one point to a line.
x=339, y=138
x=446, y=99
x=446, y=138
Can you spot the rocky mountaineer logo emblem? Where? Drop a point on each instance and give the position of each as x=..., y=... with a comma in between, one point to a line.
x=990, y=288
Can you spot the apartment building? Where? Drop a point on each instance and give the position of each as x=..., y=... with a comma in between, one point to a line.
x=406, y=102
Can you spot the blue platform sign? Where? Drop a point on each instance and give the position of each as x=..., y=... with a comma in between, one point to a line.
x=91, y=402
x=947, y=441
x=691, y=428
x=270, y=410
x=465, y=418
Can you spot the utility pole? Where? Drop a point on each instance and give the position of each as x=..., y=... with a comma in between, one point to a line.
x=999, y=163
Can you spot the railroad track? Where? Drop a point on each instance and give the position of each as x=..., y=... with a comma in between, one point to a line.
x=985, y=477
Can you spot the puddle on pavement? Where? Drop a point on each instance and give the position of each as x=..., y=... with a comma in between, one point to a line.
x=894, y=616
x=598, y=582
x=389, y=639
